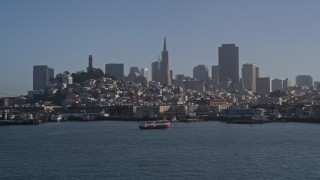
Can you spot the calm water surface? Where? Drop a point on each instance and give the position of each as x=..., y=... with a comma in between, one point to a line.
x=119, y=150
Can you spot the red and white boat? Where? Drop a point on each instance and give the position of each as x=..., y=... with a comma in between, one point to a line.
x=161, y=124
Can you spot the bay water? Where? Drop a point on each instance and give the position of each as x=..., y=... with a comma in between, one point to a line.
x=119, y=150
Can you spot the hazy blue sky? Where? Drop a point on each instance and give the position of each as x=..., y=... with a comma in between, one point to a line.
x=281, y=37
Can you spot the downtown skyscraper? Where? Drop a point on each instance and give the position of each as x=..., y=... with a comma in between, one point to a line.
x=155, y=70
x=42, y=75
x=115, y=70
x=201, y=73
x=249, y=77
x=215, y=77
x=229, y=64
x=160, y=69
x=304, y=80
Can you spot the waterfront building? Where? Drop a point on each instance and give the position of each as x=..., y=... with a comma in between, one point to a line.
x=115, y=70
x=249, y=77
x=4, y=102
x=263, y=85
x=277, y=84
x=42, y=77
x=304, y=80
x=229, y=64
x=33, y=93
x=146, y=112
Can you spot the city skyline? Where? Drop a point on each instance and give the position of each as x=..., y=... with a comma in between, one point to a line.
x=283, y=44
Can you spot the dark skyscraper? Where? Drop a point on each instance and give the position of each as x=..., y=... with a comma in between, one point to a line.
x=257, y=72
x=304, y=80
x=164, y=65
x=155, y=70
x=263, y=85
x=229, y=64
x=201, y=73
x=215, y=77
x=115, y=70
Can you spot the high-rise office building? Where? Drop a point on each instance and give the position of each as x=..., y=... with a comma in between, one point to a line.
x=316, y=84
x=257, y=72
x=137, y=75
x=277, y=84
x=264, y=85
x=155, y=70
x=115, y=70
x=171, y=75
x=42, y=75
x=286, y=84
x=201, y=73
x=179, y=80
x=215, y=77
x=249, y=77
x=133, y=74
x=134, y=70
x=165, y=77
x=229, y=64
x=304, y=80
x=160, y=69
x=180, y=77
x=144, y=72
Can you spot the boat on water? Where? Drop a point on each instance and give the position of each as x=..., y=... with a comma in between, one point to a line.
x=174, y=119
x=56, y=118
x=87, y=117
x=160, y=124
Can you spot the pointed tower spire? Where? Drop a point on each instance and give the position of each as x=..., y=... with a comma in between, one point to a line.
x=164, y=45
